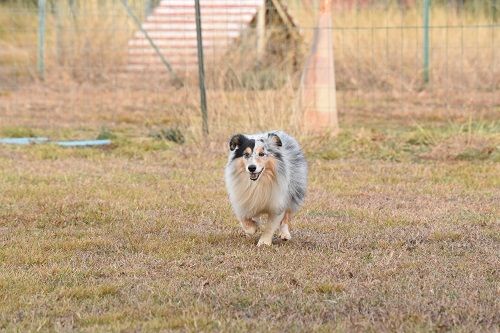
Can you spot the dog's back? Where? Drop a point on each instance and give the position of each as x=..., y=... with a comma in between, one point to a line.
x=295, y=169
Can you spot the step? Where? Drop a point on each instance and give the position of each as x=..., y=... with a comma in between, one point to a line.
x=207, y=26
x=160, y=68
x=211, y=2
x=157, y=60
x=170, y=53
x=215, y=18
x=189, y=34
x=164, y=51
x=179, y=11
x=178, y=43
x=172, y=27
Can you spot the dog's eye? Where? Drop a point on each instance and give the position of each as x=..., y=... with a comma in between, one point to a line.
x=261, y=154
x=247, y=155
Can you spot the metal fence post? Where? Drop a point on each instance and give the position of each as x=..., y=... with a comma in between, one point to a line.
x=201, y=68
x=426, y=14
x=41, y=38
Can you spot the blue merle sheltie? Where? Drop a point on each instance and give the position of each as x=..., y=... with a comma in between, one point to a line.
x=266, y=174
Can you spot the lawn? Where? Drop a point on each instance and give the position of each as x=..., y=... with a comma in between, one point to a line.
x=401, y=226
x=400, y=230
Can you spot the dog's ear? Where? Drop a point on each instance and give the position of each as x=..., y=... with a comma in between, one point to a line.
x=275, y=139
x=235, y=141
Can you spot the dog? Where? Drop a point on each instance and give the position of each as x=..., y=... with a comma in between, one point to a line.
x=266, y=174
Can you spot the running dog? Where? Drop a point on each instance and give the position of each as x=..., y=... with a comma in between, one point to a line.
x=266, y=173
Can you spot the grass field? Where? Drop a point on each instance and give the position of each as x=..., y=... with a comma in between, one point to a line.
x=401, y=226
x=400, y=230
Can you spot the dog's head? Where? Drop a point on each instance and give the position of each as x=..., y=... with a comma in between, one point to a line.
x=255, y=154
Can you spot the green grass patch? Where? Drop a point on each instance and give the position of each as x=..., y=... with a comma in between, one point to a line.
x=17, y=132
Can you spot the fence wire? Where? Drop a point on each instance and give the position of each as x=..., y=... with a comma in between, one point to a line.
x=98, y=67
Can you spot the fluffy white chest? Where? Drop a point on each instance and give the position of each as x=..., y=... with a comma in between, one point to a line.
x=251, y=198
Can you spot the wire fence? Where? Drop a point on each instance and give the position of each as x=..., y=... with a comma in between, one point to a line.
x=88, y=61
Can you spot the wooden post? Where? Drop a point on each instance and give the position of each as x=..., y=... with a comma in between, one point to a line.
x=317, y=89
x=261, y=30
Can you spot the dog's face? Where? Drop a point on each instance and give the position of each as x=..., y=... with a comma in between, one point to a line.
x=254, y=155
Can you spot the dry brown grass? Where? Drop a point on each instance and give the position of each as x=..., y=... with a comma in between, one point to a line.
x=140, y=236
x=137, y=109
x=400, y=230
x=83, y=43
x=383, y=47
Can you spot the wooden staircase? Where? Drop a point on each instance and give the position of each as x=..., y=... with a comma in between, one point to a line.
x=172, y=28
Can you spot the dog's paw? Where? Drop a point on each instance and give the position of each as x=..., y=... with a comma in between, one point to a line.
x=284, y=234
x=249, y=231
x=250, y=227
x=265, y=241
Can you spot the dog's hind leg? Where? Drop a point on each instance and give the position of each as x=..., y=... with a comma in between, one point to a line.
x=284, y=232
x=249, y=226
x=270, y=228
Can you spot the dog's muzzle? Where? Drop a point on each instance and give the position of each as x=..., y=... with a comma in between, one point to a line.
x=255, y=175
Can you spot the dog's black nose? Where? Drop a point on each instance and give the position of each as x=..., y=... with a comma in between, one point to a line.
x=252, y=168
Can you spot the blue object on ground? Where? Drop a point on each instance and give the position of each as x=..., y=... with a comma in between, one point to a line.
x=68, y=143
x=83, y=143
x=23, y=141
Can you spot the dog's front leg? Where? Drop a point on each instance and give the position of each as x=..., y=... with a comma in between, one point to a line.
x=284, y=232
x=269, y=229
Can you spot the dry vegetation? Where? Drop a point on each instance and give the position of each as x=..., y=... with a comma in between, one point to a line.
x=376, y=47
x=141, y=236
x=400, y=231
x=384, y=47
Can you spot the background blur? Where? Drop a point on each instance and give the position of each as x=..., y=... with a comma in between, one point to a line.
x=91, y=74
